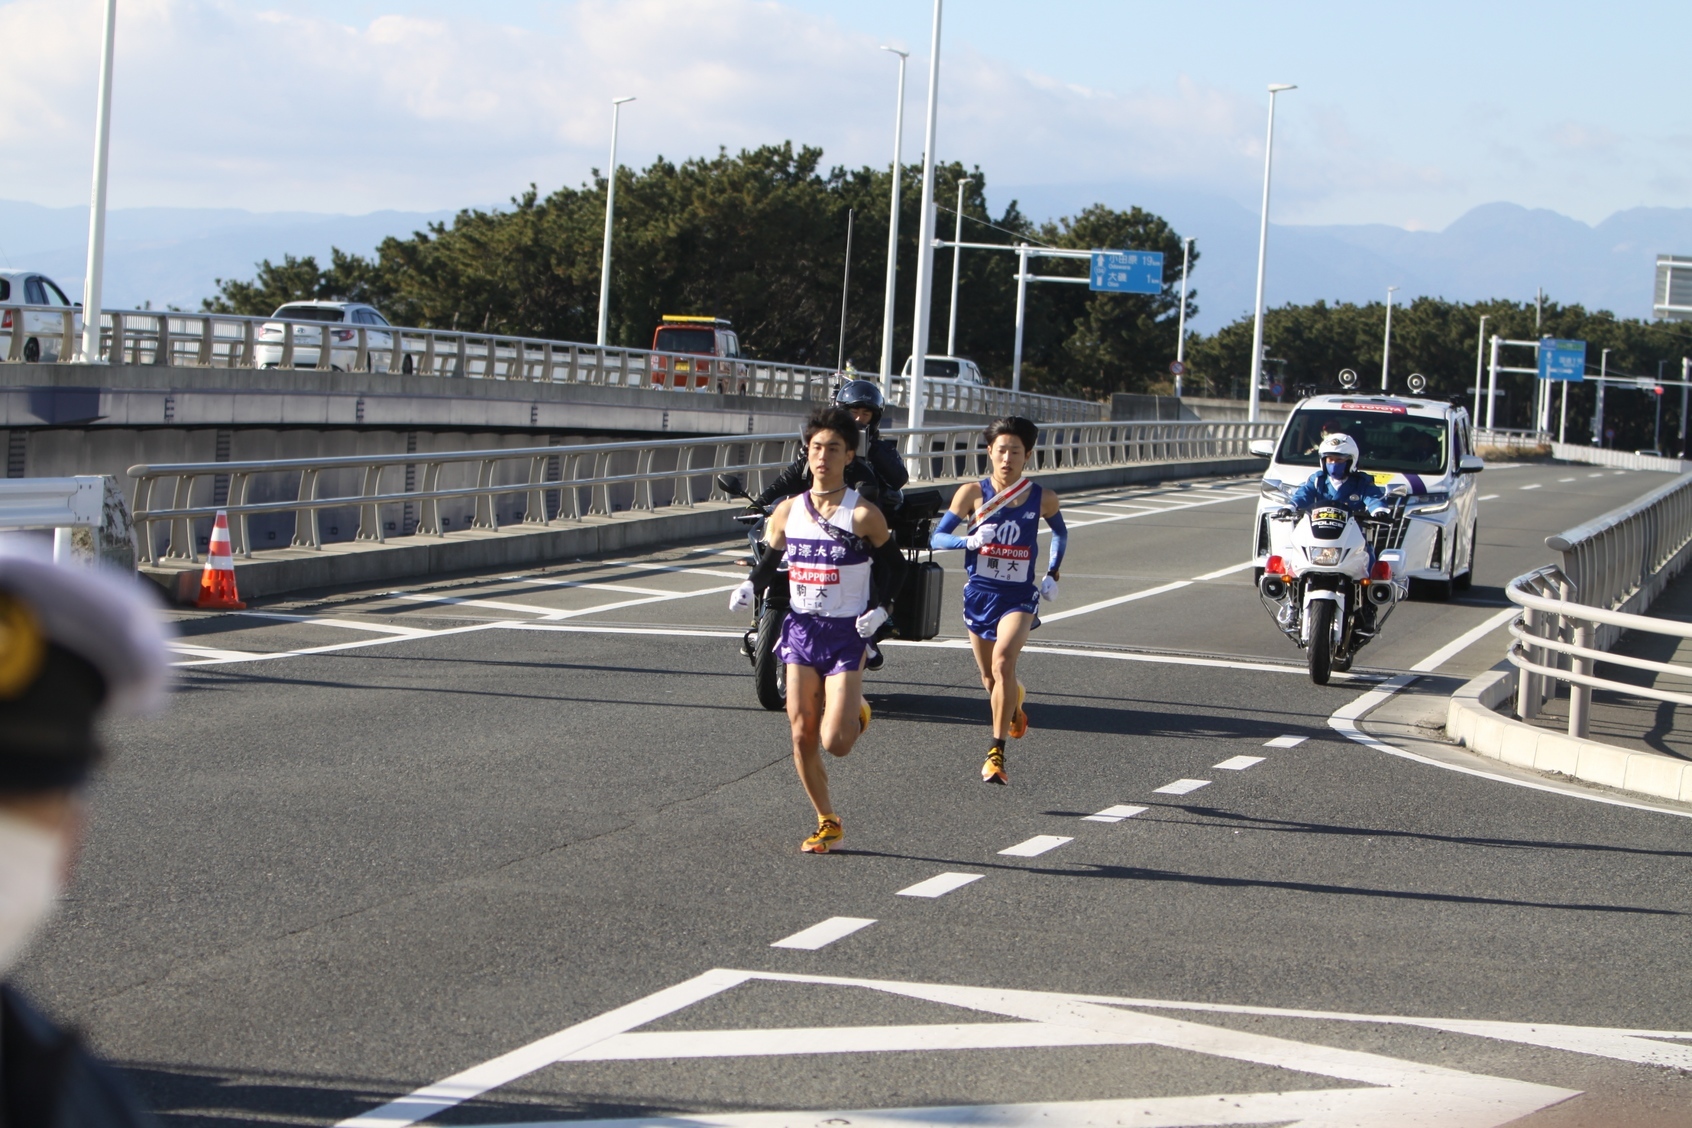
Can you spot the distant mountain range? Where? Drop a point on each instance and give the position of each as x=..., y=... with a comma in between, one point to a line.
x=173, y=256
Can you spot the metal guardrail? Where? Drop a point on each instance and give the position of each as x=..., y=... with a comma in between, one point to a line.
x=1619, y=459
x=1512, y=441
x=542, y=485
x=1613, y=567
x=220, y=340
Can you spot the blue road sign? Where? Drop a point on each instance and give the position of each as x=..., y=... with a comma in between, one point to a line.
x=1562, y=360
x=1128, y=272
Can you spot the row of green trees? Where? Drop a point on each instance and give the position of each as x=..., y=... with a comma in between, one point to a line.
x=758, y=237
x=1310, y=344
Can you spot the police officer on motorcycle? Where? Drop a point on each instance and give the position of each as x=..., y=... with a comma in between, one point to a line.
x=1340, y=484
x=881, y=466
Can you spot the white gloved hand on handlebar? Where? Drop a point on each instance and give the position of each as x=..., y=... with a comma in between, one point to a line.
x=1049, y=589
x=870, y=621
x=741, y=598
x=982, y=535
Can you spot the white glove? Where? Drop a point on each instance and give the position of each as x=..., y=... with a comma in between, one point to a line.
x=1049, y=589
x=741, y=598
x=870, y=621
x=981, y=536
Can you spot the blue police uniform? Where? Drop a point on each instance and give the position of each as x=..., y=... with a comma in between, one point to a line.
x=1355, y=493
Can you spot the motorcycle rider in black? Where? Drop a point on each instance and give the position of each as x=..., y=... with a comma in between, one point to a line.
x=881, y=465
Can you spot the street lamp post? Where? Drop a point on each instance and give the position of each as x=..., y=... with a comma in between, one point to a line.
x=1598, y=412
x=957, y=259
x=893, y=225
x=1480, y=352
x=1386, y=342
x=1262, y=249
x=92, y=278
x=610, y=210
x=1181, y=322
x=925, y=238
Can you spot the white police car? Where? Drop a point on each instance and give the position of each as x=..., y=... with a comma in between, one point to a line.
x=1422, y=445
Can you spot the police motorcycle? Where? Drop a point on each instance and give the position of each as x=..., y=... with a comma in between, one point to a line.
x=916, y=608
x=1320, y=587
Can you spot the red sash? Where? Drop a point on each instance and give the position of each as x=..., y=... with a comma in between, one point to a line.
x=1012, y=496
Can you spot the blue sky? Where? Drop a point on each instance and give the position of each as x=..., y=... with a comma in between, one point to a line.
x=1405, y=114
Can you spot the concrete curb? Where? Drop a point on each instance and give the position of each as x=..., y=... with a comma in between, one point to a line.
x=1473, y=720
x=272, y=572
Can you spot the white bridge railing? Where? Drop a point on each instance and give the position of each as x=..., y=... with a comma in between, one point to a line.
x=1613, y=568
x=221, y=340
x=424, y=493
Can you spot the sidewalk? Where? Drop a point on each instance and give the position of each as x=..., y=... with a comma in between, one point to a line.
x=1639, y=723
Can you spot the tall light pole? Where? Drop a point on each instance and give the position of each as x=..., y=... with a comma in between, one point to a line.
x=1181, y=323
x=1386, y=342
x=610, y=211
x=957, y=258
x=92, y=277
x=1262, y=248
x=1480, y=353
x=893, y=224
x=925, y=237
x=1598, y=412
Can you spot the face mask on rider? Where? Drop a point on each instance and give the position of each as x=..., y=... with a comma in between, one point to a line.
x=31, y=874
x=1336, y=468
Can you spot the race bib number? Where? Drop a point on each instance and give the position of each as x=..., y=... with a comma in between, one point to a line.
x=1006, y=563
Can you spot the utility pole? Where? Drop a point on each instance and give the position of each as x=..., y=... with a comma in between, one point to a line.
x=1480, y=350
x=1181, y=323
x=1386, y=342
x=925, y=242
x=1598, y=414
x=92, y=280
x=610, y=212
x=1262, y=253
x=845, y=290
x=957, y=261
x=893, y=227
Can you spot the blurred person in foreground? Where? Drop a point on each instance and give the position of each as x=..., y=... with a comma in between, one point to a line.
x=75, y=645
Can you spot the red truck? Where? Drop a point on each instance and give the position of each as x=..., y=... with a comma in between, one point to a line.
x=709, y=339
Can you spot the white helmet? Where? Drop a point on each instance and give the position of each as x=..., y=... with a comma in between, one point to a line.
x=1339, y=445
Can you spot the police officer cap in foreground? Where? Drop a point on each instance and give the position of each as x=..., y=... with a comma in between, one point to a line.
x=76, y=645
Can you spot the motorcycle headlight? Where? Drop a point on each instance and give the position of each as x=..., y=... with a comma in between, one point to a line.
x=1326, y=557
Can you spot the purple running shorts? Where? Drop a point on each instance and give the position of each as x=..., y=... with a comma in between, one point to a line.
x=828, y=646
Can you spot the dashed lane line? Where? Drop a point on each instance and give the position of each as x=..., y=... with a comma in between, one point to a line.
x=822, y=934
x=1487, y=497
x=1165, y=509
x=1598, y=475
x=1181, y=787
x=1533, y=485
x=939, y=885
x=1238, y=763
x=1116, y=814
x=1034, y=847
x=1228, y=571
x=1116, y=602
x=1286, y=742
x=1565, y=479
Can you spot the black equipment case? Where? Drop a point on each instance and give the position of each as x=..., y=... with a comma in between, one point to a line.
x=916, y=613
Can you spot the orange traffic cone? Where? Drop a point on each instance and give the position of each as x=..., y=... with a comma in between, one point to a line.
x=217, y=582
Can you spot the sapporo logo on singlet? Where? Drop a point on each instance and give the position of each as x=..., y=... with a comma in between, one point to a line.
x=1005, y=558
x=814, y=564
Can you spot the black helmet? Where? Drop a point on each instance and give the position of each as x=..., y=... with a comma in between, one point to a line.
x=862, y=393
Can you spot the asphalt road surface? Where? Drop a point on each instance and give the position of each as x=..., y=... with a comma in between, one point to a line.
x=523, y=849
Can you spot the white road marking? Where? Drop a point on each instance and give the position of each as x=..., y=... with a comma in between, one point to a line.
x=1181, y=787
x=546, y=614
x=1487, y=497
x=1533, y=485
x=645, y=567
x=1621, y=473
x=1239, y=763
x=1121, y=599
x=602, y=586
x=1228, y=571
x=823, y=934
x=1286, y=742
x=1565, y=479
x=1116, y=814
x=344, y=624
x=1385, y=1090
x=584, y=628
x=1598, y=475
x=1346, y=722
x=1036, y=846
x=206, y=655
x=939, y=885
x=1165, y=509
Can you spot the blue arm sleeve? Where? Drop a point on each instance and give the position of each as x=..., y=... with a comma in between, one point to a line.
x=942, y=536
x=1060, y=540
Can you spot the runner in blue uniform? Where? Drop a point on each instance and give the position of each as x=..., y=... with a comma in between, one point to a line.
x=843, y=569
x=1001, y=597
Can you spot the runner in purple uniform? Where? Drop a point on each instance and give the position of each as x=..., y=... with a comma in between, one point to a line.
x=1001, y=598
x=843, y=571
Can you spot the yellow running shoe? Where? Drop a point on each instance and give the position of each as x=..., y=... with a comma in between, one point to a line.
x=993, y=771
x=863, y=717
x=1019, y=720
x=828, y=833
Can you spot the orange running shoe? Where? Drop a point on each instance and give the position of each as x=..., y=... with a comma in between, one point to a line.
x=863, y=717
x=828, y=833
x=993, y=771
x=1019, y=719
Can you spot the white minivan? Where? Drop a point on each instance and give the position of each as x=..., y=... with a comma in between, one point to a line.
x=1422, y=445
x=43, y=335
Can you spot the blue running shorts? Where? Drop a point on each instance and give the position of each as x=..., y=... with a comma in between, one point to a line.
x=828, y=646
x=984, y=606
